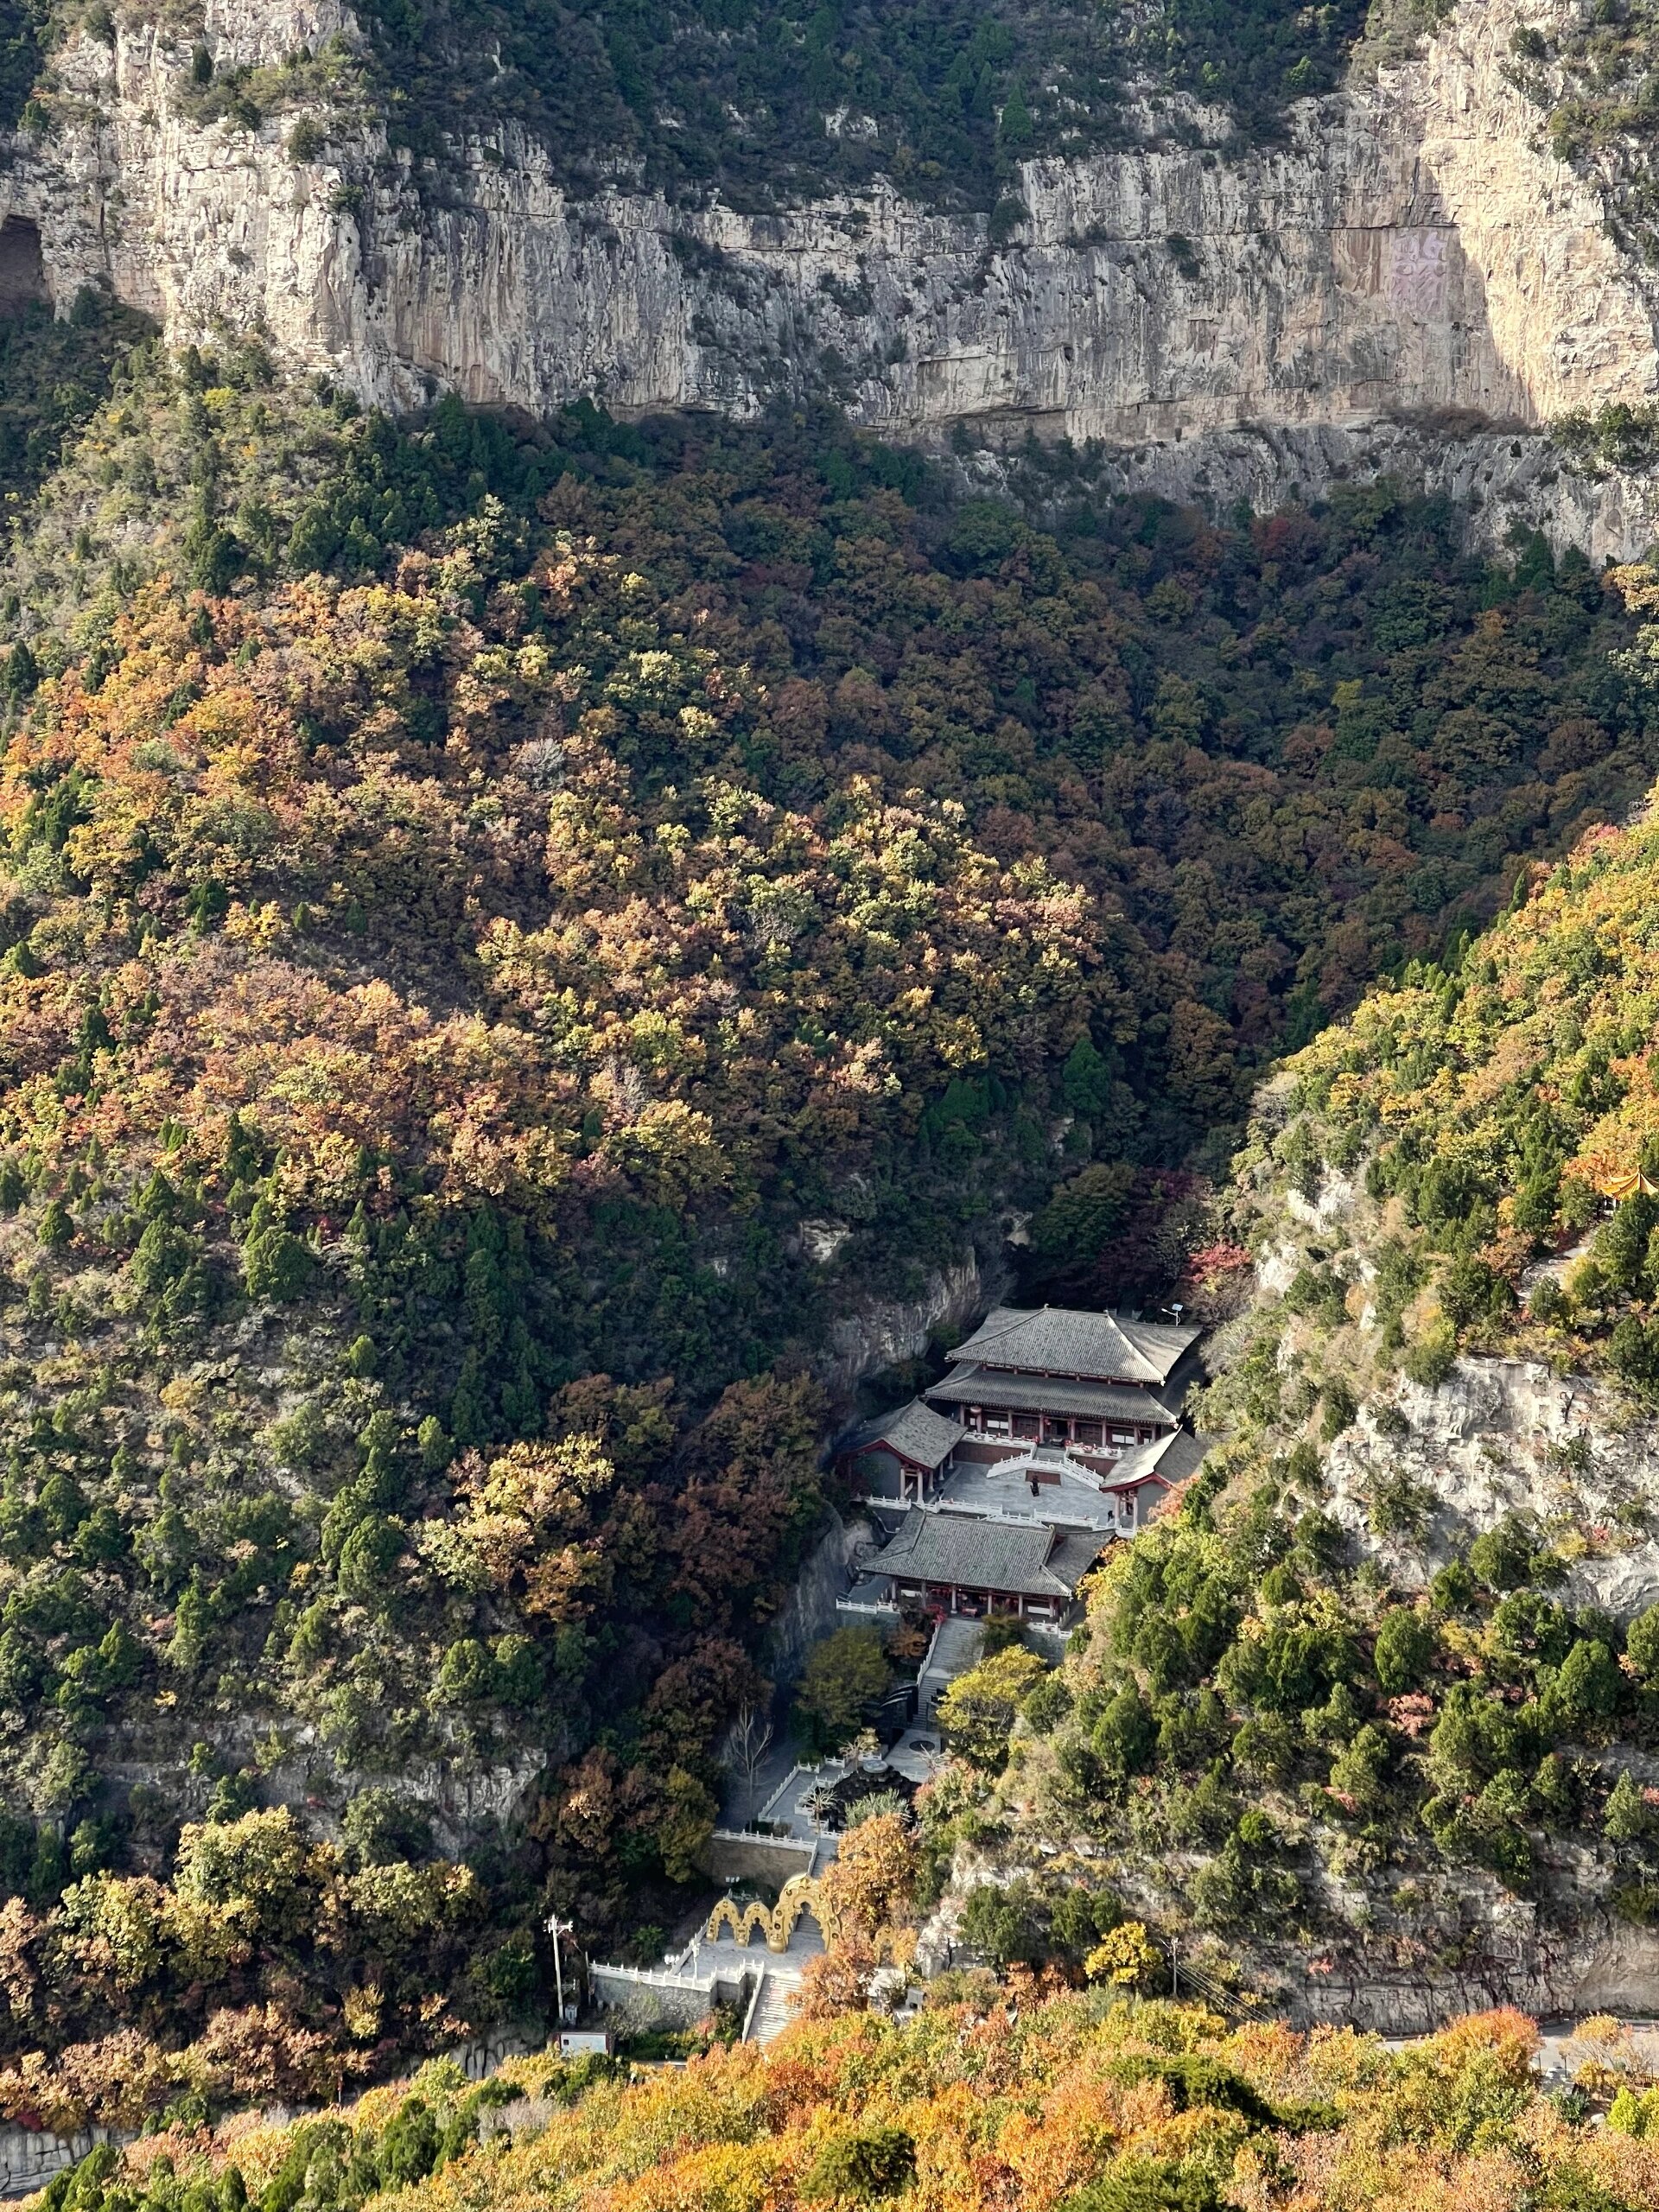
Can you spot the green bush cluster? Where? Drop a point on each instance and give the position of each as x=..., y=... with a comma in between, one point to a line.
x=23, y=38
x=844, y=1680
x=1029, y=1922
x=1593, y=75
x=1242, y=1694
x=54, y=374
x=943, y=97
x=332, y=2164
x=328, y=85
x=1617, y=436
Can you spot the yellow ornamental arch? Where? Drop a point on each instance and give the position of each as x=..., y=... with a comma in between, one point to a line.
x=1629, y=1186
x=893, y=1947
x=740, y=1922
x=799, y=1897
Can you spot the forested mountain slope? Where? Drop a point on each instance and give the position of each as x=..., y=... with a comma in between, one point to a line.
x=1373, y=1716
x=474, y=895
x=1021, y=2096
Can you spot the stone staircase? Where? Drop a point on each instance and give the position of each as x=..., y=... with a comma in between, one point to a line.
x=957, y=1645
x=956, y=1648
x=772, y=2014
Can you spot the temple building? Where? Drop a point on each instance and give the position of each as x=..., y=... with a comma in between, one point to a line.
x=951, y=1563
x=905, y=1454
x=1098, y=1382
x=1056, y=1482
x=1054, y=1433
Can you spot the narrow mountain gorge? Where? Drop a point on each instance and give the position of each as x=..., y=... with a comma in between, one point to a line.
x=685, y=694
x=1390, y=1672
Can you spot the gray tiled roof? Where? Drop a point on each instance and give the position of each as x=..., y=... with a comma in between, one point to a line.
x=1061, y=1340
x=914, y=1430
x=978, y=1554
x=978, y=1385
x=1172, y=1458
x=1073, y=1557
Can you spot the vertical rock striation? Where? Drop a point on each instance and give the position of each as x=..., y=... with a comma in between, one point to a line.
x=1410, y=250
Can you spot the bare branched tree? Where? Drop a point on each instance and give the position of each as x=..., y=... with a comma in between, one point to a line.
x=750, y=1740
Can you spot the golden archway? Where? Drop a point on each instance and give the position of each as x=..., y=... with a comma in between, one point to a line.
x=799, y=1897
x=1629, y=1186
x=893, y=1947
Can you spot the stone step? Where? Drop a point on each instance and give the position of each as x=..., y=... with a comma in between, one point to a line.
x=772, y=2014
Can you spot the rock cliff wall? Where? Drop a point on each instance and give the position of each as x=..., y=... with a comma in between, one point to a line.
x=1496, y=1950
x=808, y=1614
x=1504, y=1436
x=1498, y=1436
x=1231, y=323
x=880, y=1332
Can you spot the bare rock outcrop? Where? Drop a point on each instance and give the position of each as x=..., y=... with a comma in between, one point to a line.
x=1410, y=281
x=1501, y=1437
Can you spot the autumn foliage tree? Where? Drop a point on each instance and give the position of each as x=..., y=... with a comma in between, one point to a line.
x=868, y=1884
x=473, y=904
x=1018, y=2093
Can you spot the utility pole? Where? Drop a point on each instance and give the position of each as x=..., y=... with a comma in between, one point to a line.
x=556, y=1928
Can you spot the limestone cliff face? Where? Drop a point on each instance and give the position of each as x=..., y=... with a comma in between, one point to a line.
x=1257, y=322
x=1503, y=1436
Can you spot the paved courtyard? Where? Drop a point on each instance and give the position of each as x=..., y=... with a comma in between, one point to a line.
x=780, y=1972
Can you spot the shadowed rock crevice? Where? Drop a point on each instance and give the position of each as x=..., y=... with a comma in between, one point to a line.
x=23, y=271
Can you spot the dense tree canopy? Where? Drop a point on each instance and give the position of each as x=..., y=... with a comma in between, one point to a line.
x=1489, y=1102
x=486, y=911
x=1059, y=2104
